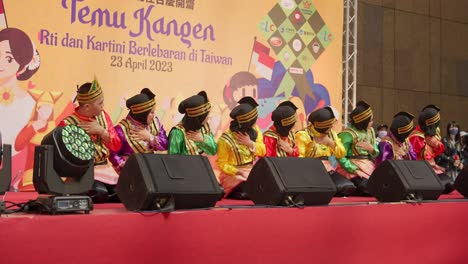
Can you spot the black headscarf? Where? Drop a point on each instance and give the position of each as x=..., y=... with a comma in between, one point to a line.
x=429, y=120
x=361, y=115
x=322, y=119
x=196, y=108
x=284, y=117
x=244, y=117
x=402, y=125
x=141, y=105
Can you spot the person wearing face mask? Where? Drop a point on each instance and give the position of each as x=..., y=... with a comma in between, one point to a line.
x=427, y=143
x=140, y=131
x=451, y=159
x=361, y=147
x=382, y=131
x=320, y=141
x=239, y=147
x=279, y=139
x=396, y=146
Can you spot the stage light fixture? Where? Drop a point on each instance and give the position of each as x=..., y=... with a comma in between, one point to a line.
x=5, y=166
x=64, y=168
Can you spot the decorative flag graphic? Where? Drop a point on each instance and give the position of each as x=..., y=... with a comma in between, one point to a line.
x=3, y=22
x=262, y=60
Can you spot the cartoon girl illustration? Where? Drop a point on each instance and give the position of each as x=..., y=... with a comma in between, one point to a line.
x=41, y=123
x=242, y=84
x=19, y=60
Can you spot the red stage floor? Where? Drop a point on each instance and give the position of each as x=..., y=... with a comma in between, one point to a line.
x=350, y=230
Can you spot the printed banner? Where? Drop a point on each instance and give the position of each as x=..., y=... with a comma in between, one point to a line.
x=269, y=49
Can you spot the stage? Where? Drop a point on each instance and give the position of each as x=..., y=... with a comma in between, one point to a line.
x=349, y=230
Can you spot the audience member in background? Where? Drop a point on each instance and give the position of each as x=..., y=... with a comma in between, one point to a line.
x=140, y=131
x=279, y=139
x=90, y=116
x=319, y=141
x=464, y=143
x=361, y=148
x=427, y=143
x=239, y=147
x=396, y=146
x=193, y=136
x=451, y=159
x=382, y=131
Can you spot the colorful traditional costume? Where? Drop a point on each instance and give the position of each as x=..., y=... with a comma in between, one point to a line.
x=357, y=158
x=321, y=123
x=140, y=105
x=284, y=117
x=428, y=127
x=196, y=110
x=104, y=175
x=232, y=156
x=396, y=146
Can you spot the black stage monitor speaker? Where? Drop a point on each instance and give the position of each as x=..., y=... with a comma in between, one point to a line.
x=167, y=182
x=46, y=179
x=290, y=181
x=461, y=183
x=396, y=180
x=5, y=171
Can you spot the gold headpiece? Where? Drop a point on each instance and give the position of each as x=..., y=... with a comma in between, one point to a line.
x=362, y=116
x=247, y=117
x=198, y=110
x=94, y=92
x=289, y=120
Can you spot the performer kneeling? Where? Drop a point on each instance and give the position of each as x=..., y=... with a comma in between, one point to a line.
x=239, y=147
x=91, y=116
x=361, y=148
x=140, y=131
x=279, y=139
x=193, y=136
x=319, y=140
x=396, y=146
x=427, y=143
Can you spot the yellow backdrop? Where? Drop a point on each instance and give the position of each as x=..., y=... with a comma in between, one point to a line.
x=79, y=39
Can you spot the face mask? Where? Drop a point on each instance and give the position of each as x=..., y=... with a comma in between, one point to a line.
x=453, y=131
x=382, y=134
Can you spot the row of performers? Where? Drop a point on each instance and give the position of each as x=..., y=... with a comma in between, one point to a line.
x=349, y=156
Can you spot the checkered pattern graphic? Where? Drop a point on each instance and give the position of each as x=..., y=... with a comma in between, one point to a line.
x=296, y=32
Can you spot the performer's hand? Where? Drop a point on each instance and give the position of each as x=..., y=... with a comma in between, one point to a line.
x=140, y=134
x=366, y=146
x=325, y=140
x=39, y=124
x=92, y=127
x=196, y=136
x=432, y=141
x=244, y=139
x=284, y=145
x=456, y=163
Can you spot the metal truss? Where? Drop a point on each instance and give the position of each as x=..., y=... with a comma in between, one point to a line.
x=349, y=57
